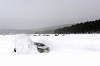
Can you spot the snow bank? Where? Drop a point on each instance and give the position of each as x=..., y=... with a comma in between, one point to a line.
x=24, y=44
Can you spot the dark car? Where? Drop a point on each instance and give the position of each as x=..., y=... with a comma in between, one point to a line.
x=42, y=48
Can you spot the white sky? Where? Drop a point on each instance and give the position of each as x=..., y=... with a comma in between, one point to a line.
x=30, y=14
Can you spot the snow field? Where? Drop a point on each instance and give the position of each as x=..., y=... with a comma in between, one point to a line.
x=68, y=50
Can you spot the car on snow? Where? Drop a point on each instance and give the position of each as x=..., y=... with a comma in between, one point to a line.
x=42, y=48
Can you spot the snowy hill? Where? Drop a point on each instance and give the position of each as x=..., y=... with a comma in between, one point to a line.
x=46, y=30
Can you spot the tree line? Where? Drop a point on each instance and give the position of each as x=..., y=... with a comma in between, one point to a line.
x=85, y=27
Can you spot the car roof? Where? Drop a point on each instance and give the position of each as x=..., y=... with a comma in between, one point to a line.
x=38, y=43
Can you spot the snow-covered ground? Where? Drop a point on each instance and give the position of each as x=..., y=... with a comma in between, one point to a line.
x=68, y=50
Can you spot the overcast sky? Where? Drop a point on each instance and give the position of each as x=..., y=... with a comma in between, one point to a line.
x=30, y=14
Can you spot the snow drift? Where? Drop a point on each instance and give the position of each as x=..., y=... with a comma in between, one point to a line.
x=24, y=45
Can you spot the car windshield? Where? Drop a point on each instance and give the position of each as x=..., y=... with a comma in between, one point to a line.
x=40, y=44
